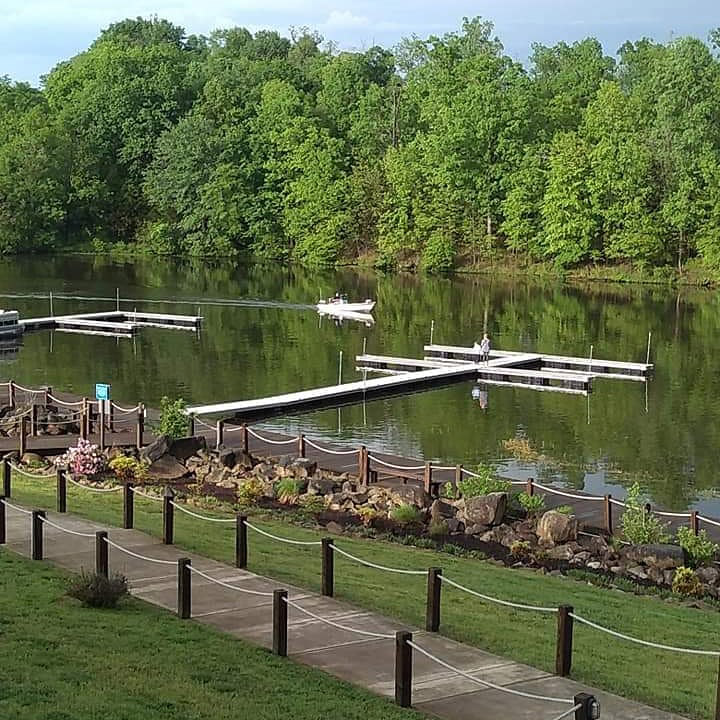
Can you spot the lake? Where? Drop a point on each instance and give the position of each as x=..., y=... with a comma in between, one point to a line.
x=261, y=336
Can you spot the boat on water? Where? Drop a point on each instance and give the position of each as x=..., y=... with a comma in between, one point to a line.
x=339, y=308
x=10, y=324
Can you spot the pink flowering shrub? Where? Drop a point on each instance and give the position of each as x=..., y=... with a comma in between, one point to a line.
x=85, y=459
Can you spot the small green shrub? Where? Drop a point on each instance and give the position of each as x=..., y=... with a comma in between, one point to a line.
x=532, y=504
x=288, y=490
x=368, y=515
x=312, y=504
x=686, y=582
x=699, y=547
x=438, y=529
x=448, y=491
x=98, y=591
x=639, y=526
x=485, y=483
x=128, y=469
x=520, y=549
x=405, y=514
x=564, y=509
x=173, y=420
x=250, y=492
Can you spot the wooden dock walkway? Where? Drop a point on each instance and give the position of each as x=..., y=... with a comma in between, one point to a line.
x=118, y=323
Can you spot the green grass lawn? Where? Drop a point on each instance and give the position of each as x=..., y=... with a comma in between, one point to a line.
x=681, y=683
x=62, y=661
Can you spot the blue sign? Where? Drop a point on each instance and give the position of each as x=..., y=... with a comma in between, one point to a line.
x=102, y=391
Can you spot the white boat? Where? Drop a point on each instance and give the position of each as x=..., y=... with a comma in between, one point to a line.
x=10, y=324
x=342, y=307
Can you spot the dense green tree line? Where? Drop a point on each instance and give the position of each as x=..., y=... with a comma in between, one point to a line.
x=439, y=152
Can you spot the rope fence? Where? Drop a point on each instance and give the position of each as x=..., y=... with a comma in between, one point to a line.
x=332, y=623
x=136, y=491
x=228, y=585
x=72, y=480
x=26, y=473
x=138, y=555
x=281, y=539
x=199, y=516
x=15, y=507
x=498, y=601
x=376, y=566
x=46, y=521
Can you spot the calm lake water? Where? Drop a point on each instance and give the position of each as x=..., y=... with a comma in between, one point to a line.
x=262, y=336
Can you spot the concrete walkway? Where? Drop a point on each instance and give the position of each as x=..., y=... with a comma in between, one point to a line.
x=367, y=662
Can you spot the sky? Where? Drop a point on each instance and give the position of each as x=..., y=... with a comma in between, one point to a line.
x=37, y=34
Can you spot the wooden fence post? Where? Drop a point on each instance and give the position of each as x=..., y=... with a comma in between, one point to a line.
x=301, y=445
x=328, y=567
x=563, y=650
x=184, y=601
x=191, y=425
x=139, y=440
x=61, y=483
x=219, y=433
x=33, y=420
x=84, y=420
x=241, y=543
x=280, y=623
x=23, y=436
x=608, y=515
x=168, y=516
x=36, y=539
x=47, y=392
x=363, y=475
x=128, y=506
x=588, y=709
x=11, y=394
x=427, y=478
x=530, y=487
x=101, y=553
x=244, y=436
x=432, y=610
x=457, y=480
x=111, y=417
x=7, y=478
x=403, y=669
x=695, y=522
x=3, y=522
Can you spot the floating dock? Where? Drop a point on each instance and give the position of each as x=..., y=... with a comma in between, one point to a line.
x=442, y=365
x=116, y=323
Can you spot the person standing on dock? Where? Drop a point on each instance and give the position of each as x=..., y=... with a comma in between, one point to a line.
x=485, y=348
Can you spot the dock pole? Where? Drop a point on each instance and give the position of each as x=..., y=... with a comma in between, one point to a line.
x=340, y=368
x=52, y=314
x=117, y=299
x=590, y=362
x=432, y=330
x=647, y=357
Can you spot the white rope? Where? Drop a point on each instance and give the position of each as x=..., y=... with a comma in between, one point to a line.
x=338, y=625
x=66, y=530
x=138, y=556
x=269, y=441
x=15, y=507
x=620, y=503
x=64, y=402
x=121, y=409
x=659, y=646
x=57, y=422
x=554, y=491
x=396, y=467
x=709, y=520
x=672, y=514
x=20, y=470
x=92, y=489
x=202, y=422
x=378, y=567
x=487, y=683
x=281, y=539
x=228, y=585
x=32, y=391
x=145, y=495
x=201, y=517
x=233, y=429
x=567, y=713
x=328, y=450
x=507, y=603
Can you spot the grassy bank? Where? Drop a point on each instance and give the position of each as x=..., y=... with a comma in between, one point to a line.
x=66, y=662
x=680, y=683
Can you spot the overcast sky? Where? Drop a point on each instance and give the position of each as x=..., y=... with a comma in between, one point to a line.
x=36, y=34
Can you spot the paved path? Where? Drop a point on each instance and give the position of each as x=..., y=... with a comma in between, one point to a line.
x=367, y=662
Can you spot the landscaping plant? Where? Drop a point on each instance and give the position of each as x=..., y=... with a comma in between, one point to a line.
x=128, y=469
x=699, y=547
x=641, y=527
x=84, y=459
x=686, y=582
x=98, y=591
x=405, y=514
x=249, y=492
x=485, y=483
x=532, y=504
x=288, y=491
x=173, y=422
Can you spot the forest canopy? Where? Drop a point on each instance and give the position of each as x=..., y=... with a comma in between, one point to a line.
x=437, y=152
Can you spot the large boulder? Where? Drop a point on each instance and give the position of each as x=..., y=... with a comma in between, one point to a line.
x=226, y=457
x=167, y=468
x=485, y=509
x=410, y=495
x=156, y=449
x=659, y=555
x=185, y=448
x=440, y=510
x=31, y=458
x=321, y=486
x=303, y=467
x=555, y=528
